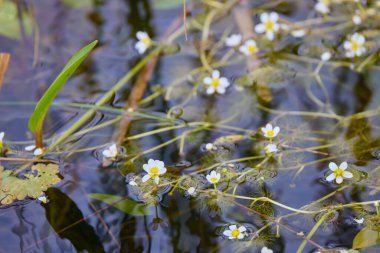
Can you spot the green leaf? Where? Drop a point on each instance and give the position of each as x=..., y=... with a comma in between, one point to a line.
x=10, y=26
x=124, y=204
x=38, y=116
x=38, y=180
x=366, y=237
x=167, y=4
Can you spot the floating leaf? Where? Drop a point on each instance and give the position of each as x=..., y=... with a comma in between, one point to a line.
x=366, y=237
x=124, y=204
x=167, y=4
x=10, y=26
x=37, y=118
x=33, y=185
x=78, y=3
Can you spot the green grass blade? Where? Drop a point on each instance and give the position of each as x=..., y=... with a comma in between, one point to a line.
x=38, y=116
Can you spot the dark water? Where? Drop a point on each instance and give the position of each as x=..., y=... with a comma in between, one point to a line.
x=72, y=222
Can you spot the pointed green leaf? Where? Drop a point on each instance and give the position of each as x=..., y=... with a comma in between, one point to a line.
x=124, y=204
x=38, y=116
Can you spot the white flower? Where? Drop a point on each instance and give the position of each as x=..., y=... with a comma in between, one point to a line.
x=269, y=131
x=38, y=151
x=235, y=232
x=356, y=19
x=323, y=6
x=154, y=168
x=266, y=250
x=233, y=40
x=132, y=182
x=359, y=221
x=326, y=56
x=215, y=83
x=213, y=177
x=210, y=147
x=249, y=47
x=338, y=173
x=111, y=152
x=1, y=139
x=30, y=148
x=43, y=199
x=191, y=191
x=298, y=33
x=268, y=24
x=271, y=148
x=144, y=42
x=355, y=45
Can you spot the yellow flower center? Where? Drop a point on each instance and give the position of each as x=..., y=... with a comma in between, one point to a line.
x=339, y=172
x=214, y=180
x=235, y=233
x=215, y=83
x=354, y=46
x=269, y=24
x=270, y=133
x=154, y=170
x=146, y=41
x=252, y=49
x=325, y=2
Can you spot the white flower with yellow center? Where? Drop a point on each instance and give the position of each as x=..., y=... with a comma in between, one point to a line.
x=266, y=250
x=213, y=177
x=234, y=40
x=338, y=172
x=144, y=42
x=43, y=199
x=271, y=148
x=355, y=45
x=111, y=152
x=1, y=139
x=323, y=6
x=215, y=83
x=269, y=131
x=235, y=232
x=249, y=48
x=268, y=24
x=154, y=168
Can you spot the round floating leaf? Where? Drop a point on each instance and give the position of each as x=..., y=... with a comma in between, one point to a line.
x=366, y=237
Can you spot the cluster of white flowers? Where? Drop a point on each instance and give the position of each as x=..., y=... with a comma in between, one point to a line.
x=270, y=132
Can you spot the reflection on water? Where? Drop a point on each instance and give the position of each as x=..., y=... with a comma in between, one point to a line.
x=183, y=220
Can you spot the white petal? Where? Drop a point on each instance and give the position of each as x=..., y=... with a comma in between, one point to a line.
x=333, y=166
x=264, y=17
x=276, y=27
x=141, y=35
x=224, y=82
x=242, y=229
x=208, y=177
x=210, y=90
x=326, y=56
x=215, y=74
x=240, y=236
x=270, y=35
x=276, y=130
x=260, y=28
x=232, y=227
x=347, y=174
x=31, y=147
x=339, y=180
x=207, y=80
x=357, y=20
x=298, y=33
x=151, y=162
x=162, y=170
x=106, y=153
x=221, y=90
x=156, y=179
x=38, y=152
x=273, y=16
x=2, y=136
x=227, y=233
x=343, y=165
x=269, y=127
x=146, y=167
x=330, y=178
x=218, y=176
x=145, y=178
x=347, y=45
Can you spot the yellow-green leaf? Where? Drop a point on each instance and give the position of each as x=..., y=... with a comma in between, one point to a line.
x=366, y=237
x=124, y=204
